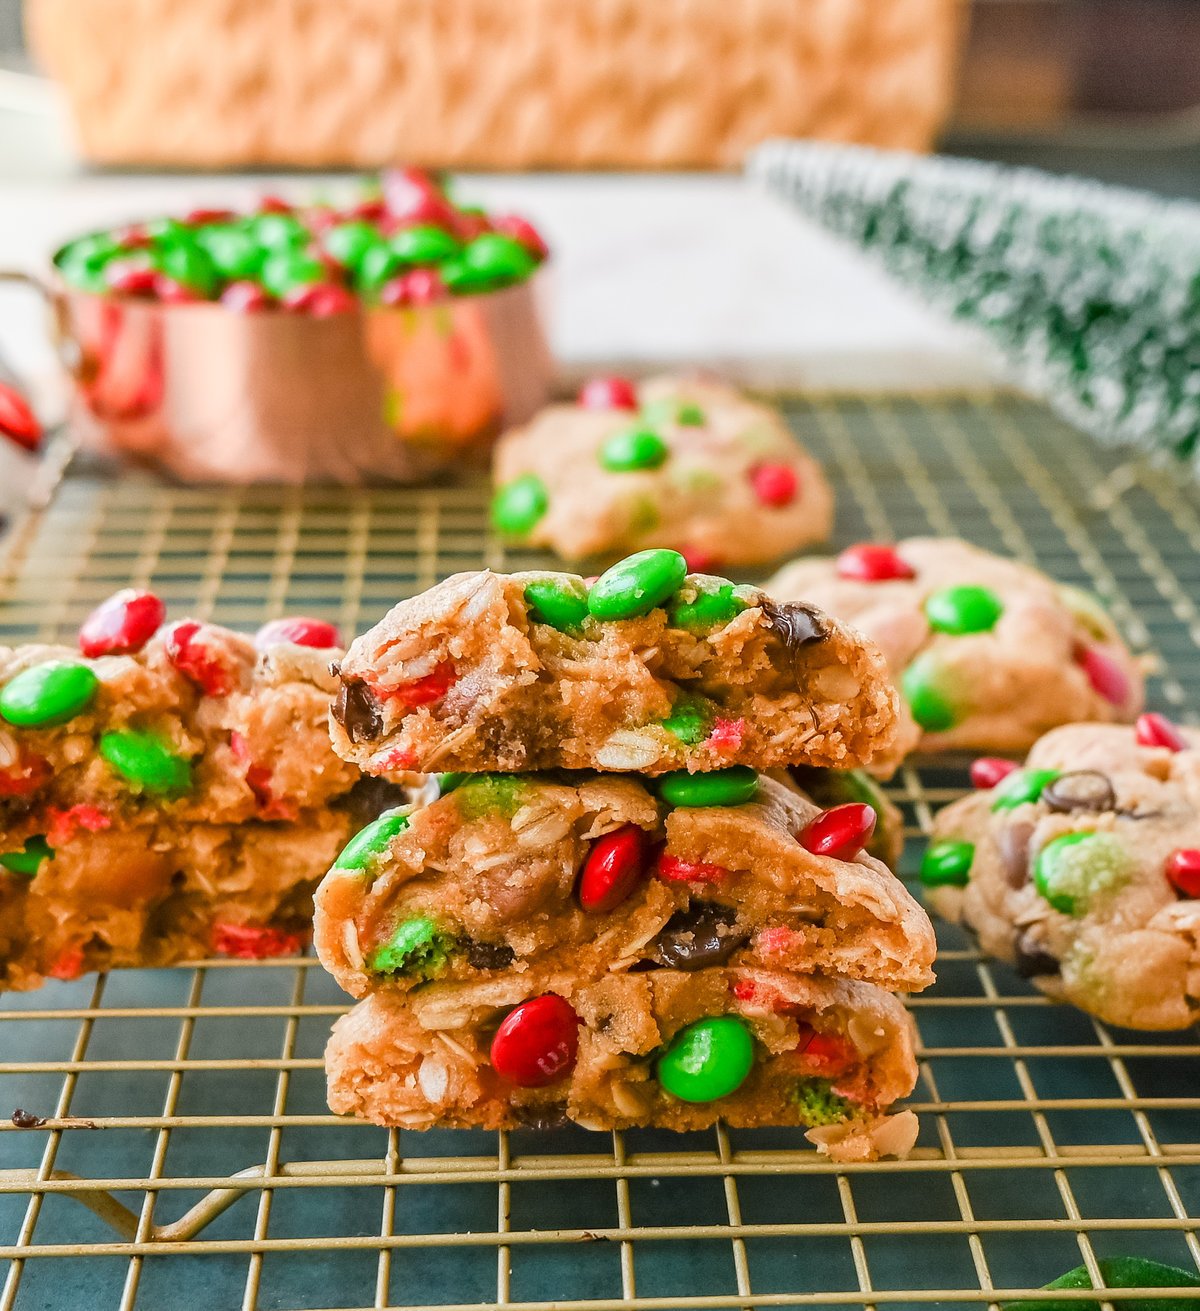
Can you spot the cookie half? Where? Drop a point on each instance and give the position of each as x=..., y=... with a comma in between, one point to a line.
x=1082, y=870
x=682, y=463
x=646, y=669
x=665, y=1049
x=600, y=874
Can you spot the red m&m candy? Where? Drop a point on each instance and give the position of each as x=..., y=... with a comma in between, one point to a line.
x=613, y=868
x=774, y=484
x=245, y=298
x=298, y=630
x=1155, y=730
x=17, y=421
x=609, y=393
x=825, y=1053
x=537, y=1043
x=122, y=624
x=1107, y=678
x=1183, y=871
x=840, y=833
x=673, y=869
x=195, y=659
x=987, y=771
x=871, y=563
x=424, y=691
x=520, y=229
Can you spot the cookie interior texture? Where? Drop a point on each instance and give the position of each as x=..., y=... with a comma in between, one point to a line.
x=491, y=877
x=1066, y=870
x=467, y=677
x=417, y=1061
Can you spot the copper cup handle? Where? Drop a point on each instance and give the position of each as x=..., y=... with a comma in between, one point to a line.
x=65, y=345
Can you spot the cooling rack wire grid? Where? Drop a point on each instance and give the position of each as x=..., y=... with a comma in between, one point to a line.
x=188, y=1159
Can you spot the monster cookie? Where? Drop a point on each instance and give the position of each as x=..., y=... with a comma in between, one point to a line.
x=537, y=875
x=167, y=790
x=646, y=669
x=665, y=1048
x=1082, y=869
x=685, y=464
x=988, y=653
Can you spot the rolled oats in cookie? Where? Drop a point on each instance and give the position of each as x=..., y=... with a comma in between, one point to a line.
x=988, y=653
x=166, y=791
x=690, y=465
x=1082, y=870
x=656, y=1048
x=645, y=669
x=600, y=873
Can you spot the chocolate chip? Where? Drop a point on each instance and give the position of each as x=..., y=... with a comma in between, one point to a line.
x=489, y=955
x=1031, y=958
x=357, y=710
x=543, y=1117
x=1083, y=789
x=701, y=935
x=796, y=625
x=1012, y=842
x=27, y=1119
x=370, y=797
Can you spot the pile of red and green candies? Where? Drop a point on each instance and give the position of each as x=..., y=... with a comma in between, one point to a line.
x=958, y=611
x=537, y=1043
x=948, y=862
x=54, y=693
x=405, y=244
x=637, y=447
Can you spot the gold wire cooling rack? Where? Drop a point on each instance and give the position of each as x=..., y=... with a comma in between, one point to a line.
x=175, y=1149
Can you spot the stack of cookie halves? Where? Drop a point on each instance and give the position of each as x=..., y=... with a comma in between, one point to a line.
x=614, y=906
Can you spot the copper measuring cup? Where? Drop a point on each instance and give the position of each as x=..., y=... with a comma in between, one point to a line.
x=373, y=395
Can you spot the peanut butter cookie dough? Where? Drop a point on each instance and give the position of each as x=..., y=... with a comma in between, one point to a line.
x=1082, y=869
x=988, y=653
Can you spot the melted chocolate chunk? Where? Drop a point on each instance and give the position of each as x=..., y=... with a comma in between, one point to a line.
x=542, y=1117
x=370, y=797
x=489, y=955
x=697, y=937
x=1083, y=789
x=1031, y=958
x=1012, y=842
x=796, y=625
x=27, y=1119
x=357, y=710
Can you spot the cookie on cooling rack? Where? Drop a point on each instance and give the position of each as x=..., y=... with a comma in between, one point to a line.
x=988, y=653
x=605, y=872
x=646, y=669
x=669, y=1049
x=166, y=791
x=1082, y=869
x=675, y=462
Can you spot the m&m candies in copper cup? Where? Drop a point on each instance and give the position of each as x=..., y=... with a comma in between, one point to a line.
x=379, y=340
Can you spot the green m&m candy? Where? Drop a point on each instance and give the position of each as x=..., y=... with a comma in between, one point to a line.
x=416, y=947
x=285, y=270
x=707, y=610
x=689, y=720
x=372, y=841
x=377, y=265
x=27, y=860
x=349, y=242
x=635, y=448
x=685, y=413
x=518, y=505
x=1074, y=867
x=722, y=787
x=492, y=259
x=480, y=795
x=707, y=1060
x=1021, y=786
x=423, y=244
x=635, y=585
x=233, y=251
x=929, y=703
x=48, y=694
x=964, y=610
x=448, y=782
x=277, y=231
x=947, y=864
x=188, y=264
x=561, y=603
x=146, y=760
